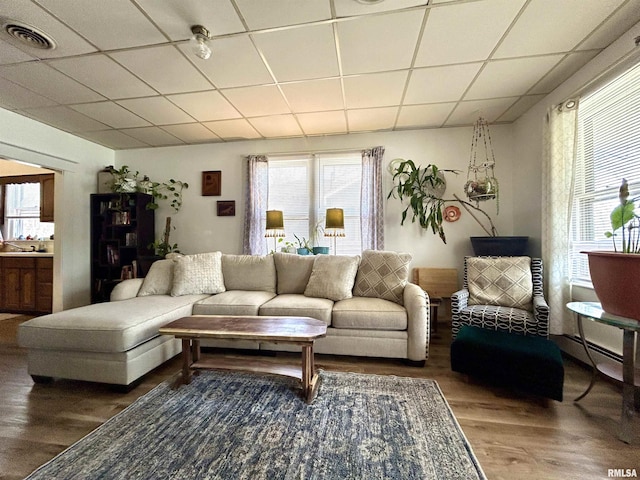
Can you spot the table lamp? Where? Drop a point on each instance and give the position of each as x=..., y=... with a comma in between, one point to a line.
x=334, y=226
x=275, y=226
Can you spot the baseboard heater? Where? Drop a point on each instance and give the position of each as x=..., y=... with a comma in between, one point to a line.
x=572, y=346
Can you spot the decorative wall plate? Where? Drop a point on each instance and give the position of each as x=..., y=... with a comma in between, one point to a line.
x=451, y=213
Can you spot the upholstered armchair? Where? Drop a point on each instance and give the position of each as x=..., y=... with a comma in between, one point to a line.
x=503, y=294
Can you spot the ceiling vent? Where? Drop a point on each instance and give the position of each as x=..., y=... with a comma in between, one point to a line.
x=29, y=35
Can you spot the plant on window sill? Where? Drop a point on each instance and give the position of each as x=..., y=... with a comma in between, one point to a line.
x=624, y=218
x=418, y=185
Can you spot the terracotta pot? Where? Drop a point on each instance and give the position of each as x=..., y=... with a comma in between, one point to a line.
x=615, y=280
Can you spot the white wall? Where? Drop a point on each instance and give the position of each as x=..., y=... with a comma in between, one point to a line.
x=199, y=229
x=77, y=160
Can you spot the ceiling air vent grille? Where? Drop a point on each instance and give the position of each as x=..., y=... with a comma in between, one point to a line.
x=29, y=36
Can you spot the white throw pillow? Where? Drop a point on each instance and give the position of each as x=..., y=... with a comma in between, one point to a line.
x=332, y=277
x=504, y=281
x=383, y=275
x=159, y=280
x=197, y=274
x=249, y=272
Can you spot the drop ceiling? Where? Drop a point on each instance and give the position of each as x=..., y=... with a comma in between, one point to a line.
x=123, y=74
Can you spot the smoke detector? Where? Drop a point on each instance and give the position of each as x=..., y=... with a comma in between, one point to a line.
x=28, y=35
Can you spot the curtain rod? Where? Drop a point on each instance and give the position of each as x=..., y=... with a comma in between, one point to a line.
x=311, y=152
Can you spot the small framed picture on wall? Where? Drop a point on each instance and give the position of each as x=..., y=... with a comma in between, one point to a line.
x=226, y=208
x=212, y=183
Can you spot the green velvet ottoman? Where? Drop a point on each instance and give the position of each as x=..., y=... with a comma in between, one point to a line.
x=531, y=364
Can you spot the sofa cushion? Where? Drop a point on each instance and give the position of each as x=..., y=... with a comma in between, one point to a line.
x=382, y=275
x=298, y=306
x=504, y=281
x=198, y=273
x=293, y=271
x=332, y=277
x=249, y=272
x=233, y=302
x=369, y=314
x=159, y=280
x=105, y=327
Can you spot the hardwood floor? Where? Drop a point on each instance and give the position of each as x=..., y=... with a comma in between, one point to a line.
x=514, y=436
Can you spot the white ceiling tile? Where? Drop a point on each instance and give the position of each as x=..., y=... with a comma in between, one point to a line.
x=46, y=81
x=65, y=118
x=368, y=119
x=191, y=133
x=67, y=41
x=375, y=89
x=440, y=84
x=379, y=42
x=276, y=126
x=204, y=106
x=310, y=52
x=176, y=18
x=103, y=75
x=349, y=8
x=15, y=96
x=126, y=26
x=110, y=114
x=276, y=13
x=466, y=113
x=520, y=107
x=504, y=78
x=538, y=31
x=154, y=136
x=157, y=110
x=113, y=139
x=447, y=38
x=621, y=21
x=323, y=123
x=11, y=54
x=257, y=101
x=164, y=68
x=314, y=95
x=235, y=62
x=428, y=116
x=233, y=129
x=567, y=67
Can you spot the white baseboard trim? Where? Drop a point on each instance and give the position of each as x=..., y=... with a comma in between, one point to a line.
x=572, y=346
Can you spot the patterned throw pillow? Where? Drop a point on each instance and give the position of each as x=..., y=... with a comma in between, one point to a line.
x=197, y=274
x=332, y=277
x=504, y=281
x=159, y=280
x=382, y=275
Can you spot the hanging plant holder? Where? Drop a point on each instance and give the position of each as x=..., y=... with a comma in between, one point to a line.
x=481, y=181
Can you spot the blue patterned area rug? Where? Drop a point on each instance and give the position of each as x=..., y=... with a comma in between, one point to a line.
x=242, y=426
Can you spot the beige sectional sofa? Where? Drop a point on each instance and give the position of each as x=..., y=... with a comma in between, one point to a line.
x=367, y=303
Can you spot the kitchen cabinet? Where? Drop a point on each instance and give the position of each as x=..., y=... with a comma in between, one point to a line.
x=47, y=184
x=27, y=284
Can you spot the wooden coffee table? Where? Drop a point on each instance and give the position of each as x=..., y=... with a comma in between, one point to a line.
x=301, y=331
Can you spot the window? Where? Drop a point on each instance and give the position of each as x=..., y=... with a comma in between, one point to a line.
x=303, y=187
x=608, y=150
x=22, y=212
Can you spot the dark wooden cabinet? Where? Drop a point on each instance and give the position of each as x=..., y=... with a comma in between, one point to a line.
x=47, y=184
x=27, y=284
x=122, y=228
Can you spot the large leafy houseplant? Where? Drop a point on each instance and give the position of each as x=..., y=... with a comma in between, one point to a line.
x=419, y=186
x=625, y=219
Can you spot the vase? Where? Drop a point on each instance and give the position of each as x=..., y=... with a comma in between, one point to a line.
x=320, y=250
x=303, y=251
x=499, y=246
x=615, y=280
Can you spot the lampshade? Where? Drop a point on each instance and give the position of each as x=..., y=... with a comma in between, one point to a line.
x=334, y=226
x=275, y=224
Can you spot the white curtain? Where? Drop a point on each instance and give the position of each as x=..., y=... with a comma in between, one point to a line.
x=371, y=205
x=560, y=138
x=256, y=205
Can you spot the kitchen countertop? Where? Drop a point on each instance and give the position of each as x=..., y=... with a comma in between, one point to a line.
x=27, y=254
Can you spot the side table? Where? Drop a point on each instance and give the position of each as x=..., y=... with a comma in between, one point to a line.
x=628, y=374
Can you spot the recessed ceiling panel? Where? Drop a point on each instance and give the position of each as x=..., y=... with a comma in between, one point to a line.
x=154, y=136
x=563, y=70
x=113, y=139
x=369, y=119
x=622, y=20
x=15, y=96
x=440, y=84
x=462, y=33
x=466, y=113
x=257, y=101
x=65, y=118
x=427, y=116
x=164, y=68
x=205, y=106
x=314, y=95
x=520, y=107
x=127, y=26
x=379, y=42
x=191, y=133
x=375, y=89
x=348, y=8
x=558, y=26
x=176, y=17
x=276, y=13
x=157, y=110
x=277, y=126
x=323, y=123
x=103, y=75
x=11, y=54
x=233, y=129
x=310, y=52
x=110, y=114
x=235, y=62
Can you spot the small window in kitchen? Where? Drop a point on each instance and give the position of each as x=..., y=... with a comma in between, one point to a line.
x=22, y=213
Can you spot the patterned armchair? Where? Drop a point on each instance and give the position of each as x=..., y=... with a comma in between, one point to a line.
x=496, y=311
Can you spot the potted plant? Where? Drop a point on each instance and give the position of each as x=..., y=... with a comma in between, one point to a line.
x=304, y=247
x=615, y=274
x=318, y=233
x=423, y=188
